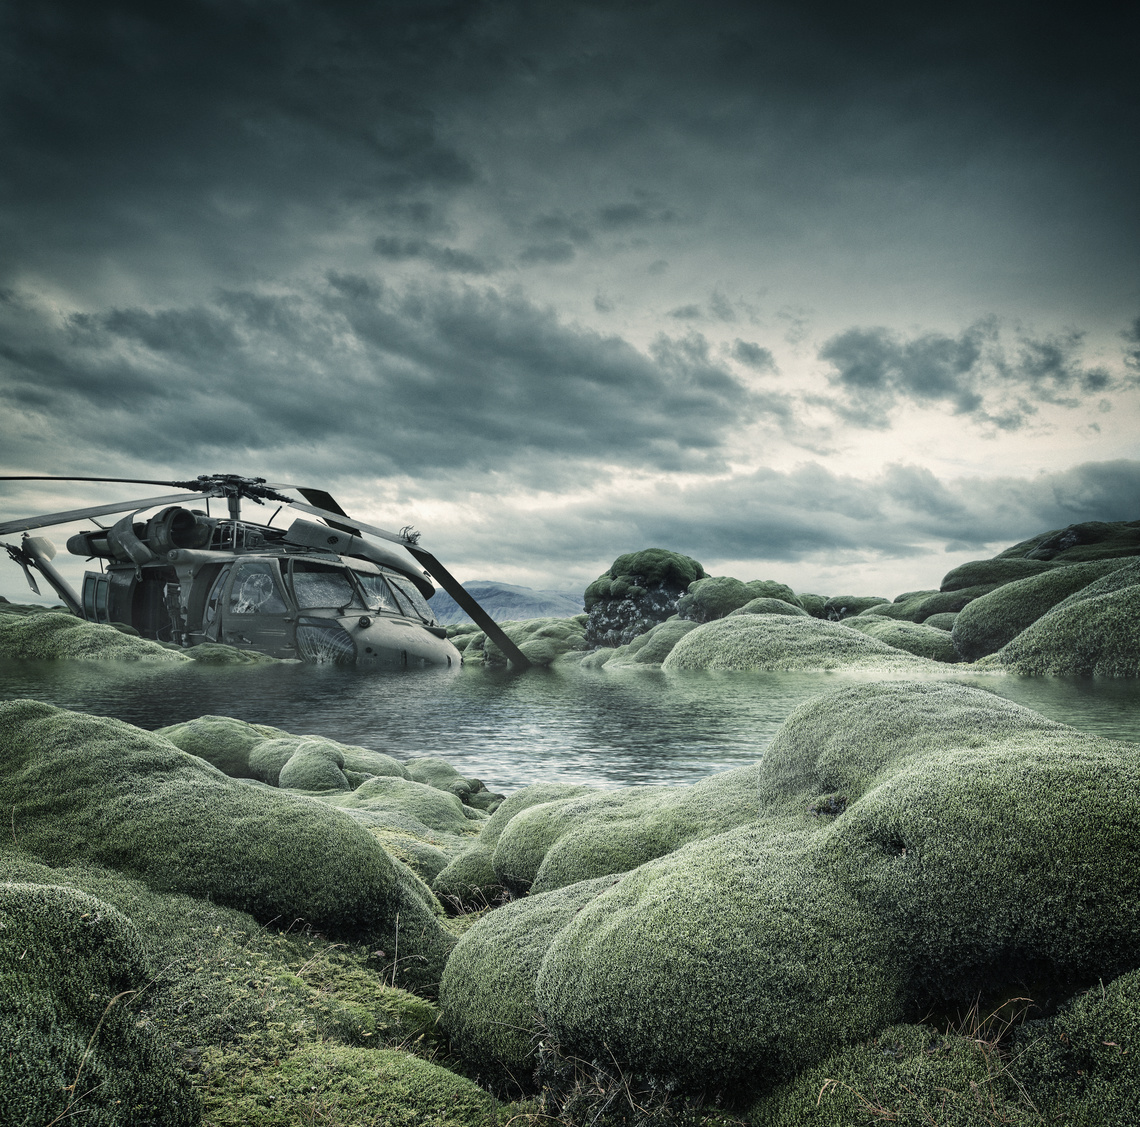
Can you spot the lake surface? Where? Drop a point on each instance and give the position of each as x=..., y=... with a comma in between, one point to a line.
x=601, y=729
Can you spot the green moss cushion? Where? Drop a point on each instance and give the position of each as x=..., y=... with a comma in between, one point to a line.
x=771, y=642
x=989, y=622
x=55, y=636
x=717, y=596
x=436, y=809
x=914, y=845
x=487, y=992
x=471, y=877
x=770, y=606
x=222, y=741
x=650, y=648
x=912, y=637
x=994, y=572
x=1094, y=633
x=86, y=789
x=71, y=972
x=560, y=843
x=844, y=606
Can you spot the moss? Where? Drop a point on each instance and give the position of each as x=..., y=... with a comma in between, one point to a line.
x=487, y=993
x=435, y=772
x=326, y=1083
x=993, y=572
x=1077, y=543
x=56, y=637
x=311, y=767
x=717, y=596
x=222, y=741
x=921, y=640
x=562, y=842
x=86, y=789
x=844, y=606
x=778, y=642
x=434, y=808
x=815, y=605
x=979, y=844
x=942, y=621
x=989, y=622
x=1082, y=1067
x=73, y=1047
x=215, y=653
x=650, y=648
x=470, y=877
x=770, y=606
x=908, y=1074
x=541, y=640
x=1090, y=634
x=639, y=590
x=906, y=606
x=651, y=567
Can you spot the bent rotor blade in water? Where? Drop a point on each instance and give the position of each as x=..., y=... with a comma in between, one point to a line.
x=45, y=520
x=517, y=659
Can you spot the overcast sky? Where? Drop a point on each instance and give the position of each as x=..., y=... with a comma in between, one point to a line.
x=836, y=294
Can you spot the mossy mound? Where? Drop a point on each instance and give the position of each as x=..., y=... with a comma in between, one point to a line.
x=541, y=640
x=915, y=845
x=431, y=807
x=845, y=606
x=914, y=638
x=1093, y=633
x=772, y=642
x=488, y=1004
x=562, y=842
x=215, y=653
x=908, y=1074
x=639, y=590
x=351, y=1087
x=470, y=877
x=1079, y=543
x=906, y=606
x=86, y=789
x=58, y=637
x=71, y=967
x=222, y=741
x=815, y=605
x=993, y=573
x=943, y=621
x=713, y=598
x=989, y=622
x=651, y=648
x=435, y=772
x=770, y=606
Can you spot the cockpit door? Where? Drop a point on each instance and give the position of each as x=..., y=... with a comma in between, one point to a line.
x=254, y=614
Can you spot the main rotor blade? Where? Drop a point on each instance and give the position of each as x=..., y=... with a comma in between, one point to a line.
x=518, y=660
x=326, y=501
x=48, y=519
x=120, y=480
x=357, y=528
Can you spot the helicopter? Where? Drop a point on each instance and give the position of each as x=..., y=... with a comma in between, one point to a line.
x=340, y=591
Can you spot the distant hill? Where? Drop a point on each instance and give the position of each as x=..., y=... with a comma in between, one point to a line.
x=504, y=601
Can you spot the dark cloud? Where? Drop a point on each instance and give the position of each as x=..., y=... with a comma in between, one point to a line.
x=686, y=313
x=975, y=374
x=752, y=354
x=368, y=370
x=555, y=252
x=447, y=259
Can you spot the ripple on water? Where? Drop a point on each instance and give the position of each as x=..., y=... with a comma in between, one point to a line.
x=600, y=729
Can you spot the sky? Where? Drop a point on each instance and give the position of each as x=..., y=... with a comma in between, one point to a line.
x=841, y=295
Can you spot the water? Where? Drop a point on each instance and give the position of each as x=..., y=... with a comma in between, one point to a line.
x=600, y=729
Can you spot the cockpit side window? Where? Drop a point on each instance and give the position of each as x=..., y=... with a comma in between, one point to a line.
x=412, y=603
x=254, y=589
x=319, y=585
x=377, y=594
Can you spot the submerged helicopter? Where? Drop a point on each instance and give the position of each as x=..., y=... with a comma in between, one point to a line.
x=318, y=592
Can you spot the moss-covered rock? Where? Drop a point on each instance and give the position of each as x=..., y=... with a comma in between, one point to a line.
x=717, y=596
x=992, y=620
x=71, y=967
x=312, y=768
x=771, y=642
x=815, y=605
x=914, y=638
x=560, y=843
x=845, y=606
x=639, y=590
x=222, y=741
x=651, y=648
x=1095, y=632
x=541, y=640
x=770, y=606
x=993, y=573
x=87, y=789
x=470, y=877
x=435, y=772
x=943, y=621
x=215, y=653
x=55, y=637
x=1078, y=543
x=914, y=845
x=431, y=807
x=487, y=992
x=905, y=606
x=908, y=1074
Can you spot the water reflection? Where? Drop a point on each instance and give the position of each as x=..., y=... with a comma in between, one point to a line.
x=602, y=729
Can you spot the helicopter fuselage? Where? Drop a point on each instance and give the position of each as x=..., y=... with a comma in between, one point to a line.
x=261, y=589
